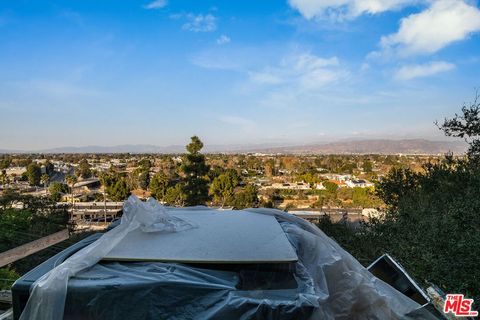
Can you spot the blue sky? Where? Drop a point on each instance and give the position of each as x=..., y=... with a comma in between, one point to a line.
x=89, y=72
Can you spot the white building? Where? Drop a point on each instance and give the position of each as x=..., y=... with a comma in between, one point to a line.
x=358, y=183
x=291, y=186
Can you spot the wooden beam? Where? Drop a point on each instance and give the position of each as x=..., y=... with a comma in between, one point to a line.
x=6, y=296
x=7, y=314
x=27, y=249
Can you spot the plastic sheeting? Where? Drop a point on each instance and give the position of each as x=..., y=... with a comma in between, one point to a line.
x=47, y=296
x=330, y=284
x=221, y=237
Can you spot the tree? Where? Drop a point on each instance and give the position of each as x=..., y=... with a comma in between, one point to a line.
x=119, y=191
x=36, y=218
x=144, y=180
x=223, y=187
x=8, y=277
x=432, y=220
x=145, y=164
x=49, y=168
x=326, y=198
x=175, y=195
x=56, y=190
x=84, y=169
x=106, y=180
x=248, y=198
x=466, y=126
x=431, y=223
x=330, y=186
x=4, y=179
x=5, y=163
x=195, y=170
x=345, y=194
x=115, y=185
x=34, y=173
x=45, y=179
x=365, y=198
x=308, y=177
x=367, y=166
x=159, y=185
x=71, y=180
x=268, y=168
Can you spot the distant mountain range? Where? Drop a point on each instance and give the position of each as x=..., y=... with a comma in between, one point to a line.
x=373, y=146
x=379, y=146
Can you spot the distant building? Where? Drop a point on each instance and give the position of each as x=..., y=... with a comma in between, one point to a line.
x=358, y=183
x=339, y=183
x=177, y=159
x=290, y=186
x=337, y=177
x=320, y=186
x=17, y=171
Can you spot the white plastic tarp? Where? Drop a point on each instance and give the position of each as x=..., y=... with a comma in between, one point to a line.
x=331, y=283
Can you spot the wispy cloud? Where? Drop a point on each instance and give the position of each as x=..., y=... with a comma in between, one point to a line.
x=423, y=70
x=346, y=9
x=280, y=80
x=223, y=39
x=441, y=24
x=304, y=71
x=157, y=4
x=200, y=23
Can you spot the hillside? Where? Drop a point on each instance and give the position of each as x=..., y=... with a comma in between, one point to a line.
x=380, y=146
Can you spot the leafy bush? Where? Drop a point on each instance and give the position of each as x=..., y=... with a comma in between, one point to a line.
x=431, y=225
x=7, y=278
x=37, y=217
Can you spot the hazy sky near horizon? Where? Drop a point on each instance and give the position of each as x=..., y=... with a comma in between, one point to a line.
x=89, y=72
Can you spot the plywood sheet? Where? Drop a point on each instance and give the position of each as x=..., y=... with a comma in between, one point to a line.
x=222, y=237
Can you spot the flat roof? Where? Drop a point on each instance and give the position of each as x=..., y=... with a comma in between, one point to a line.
x=221, y=237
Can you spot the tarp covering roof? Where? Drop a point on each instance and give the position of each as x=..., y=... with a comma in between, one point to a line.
x=326, y=282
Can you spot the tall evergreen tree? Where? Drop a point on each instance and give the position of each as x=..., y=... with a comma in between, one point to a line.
x=120, y=190
x=159, y=185
x=144, y=180
x=195, y=170
x=223, y=187
x=34, y=173
x=84, y=169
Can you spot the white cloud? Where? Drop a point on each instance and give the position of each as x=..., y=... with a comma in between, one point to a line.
x=265, y=77
x=279, y=80
x=423, y=70
x=304, y=71
x=346, y=9
x=200, y=23
x=365, y=67
x=223, y=39
x=444, y=22
x=157, y=4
